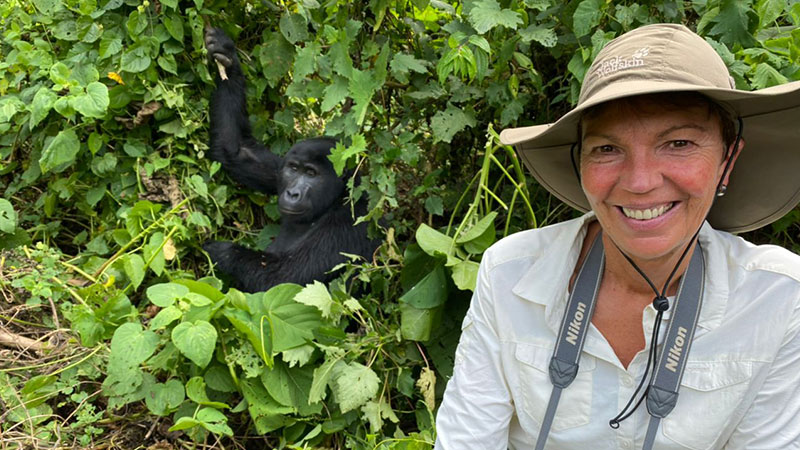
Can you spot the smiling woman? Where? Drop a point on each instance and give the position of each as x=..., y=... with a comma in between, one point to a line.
x=566, y=318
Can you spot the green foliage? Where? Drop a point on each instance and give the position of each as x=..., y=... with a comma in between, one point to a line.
x=107, y=194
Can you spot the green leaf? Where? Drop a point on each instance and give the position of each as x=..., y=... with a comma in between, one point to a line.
x=205, y=289
x=196, y=340
x=294, y=28
x=435, y=243
x=60, y=74
x=298, y=356
x=341, y=154
x=487, y=14
x=276, y=57
x=165, y=294
x=8, y=218
x=354, y=385
x=362, y=87
x=136, y=24
x=322, y=375
x=60, y=151
x=293, y=323
x=434, y=205
x=290, y=387
x=218, y=378
x=10, y=106
x=131, y=345
x=41, y=105
x=165, y=317
x=429, y=292
x=196, y=391
x=465, y=275
x=767, y=76
x=267, y=414
x=405, y=63
x=167, y=62
x=174, y=25
x=544, y=36
x=305, y=62
x=94, y=102
x=769, y=11
x=445, y=124
x=480, y=236
x=732, y=24
x=335, y=93
x=375, y=412
x=418, y=324
x=66, y=30
x=317, y=295
x=184, y=423
x=587, y=16
x=135, y=60
x=110, y=45
x=153, y=252
x=164, y=398
x=133, y=265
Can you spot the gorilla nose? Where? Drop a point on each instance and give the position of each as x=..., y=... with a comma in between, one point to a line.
x=292, y=194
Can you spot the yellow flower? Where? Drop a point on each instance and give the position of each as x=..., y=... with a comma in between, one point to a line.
x=115, y=76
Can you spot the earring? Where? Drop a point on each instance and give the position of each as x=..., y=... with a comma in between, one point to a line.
x=722, y=189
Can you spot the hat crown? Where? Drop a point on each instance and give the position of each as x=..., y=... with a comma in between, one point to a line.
x=661, y=53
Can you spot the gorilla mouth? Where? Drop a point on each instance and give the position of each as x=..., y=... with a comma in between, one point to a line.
x=292, y=211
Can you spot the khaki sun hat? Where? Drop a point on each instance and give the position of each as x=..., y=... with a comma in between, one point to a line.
x=765, y=183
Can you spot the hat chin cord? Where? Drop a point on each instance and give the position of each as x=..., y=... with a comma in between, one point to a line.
x=660, y=302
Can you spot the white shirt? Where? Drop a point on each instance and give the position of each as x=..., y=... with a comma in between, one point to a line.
x=740, y=390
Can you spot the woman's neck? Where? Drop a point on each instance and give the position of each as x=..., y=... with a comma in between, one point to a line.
x=620, y=271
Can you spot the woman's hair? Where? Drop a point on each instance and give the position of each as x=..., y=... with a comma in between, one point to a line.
x=671, y=101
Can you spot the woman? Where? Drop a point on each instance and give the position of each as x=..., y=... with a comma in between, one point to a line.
x=641, y=300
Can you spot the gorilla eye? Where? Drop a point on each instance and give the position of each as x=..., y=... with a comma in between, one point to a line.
x=310, y=171
x=292, y=166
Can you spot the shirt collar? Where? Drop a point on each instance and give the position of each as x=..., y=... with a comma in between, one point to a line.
x=547, y=280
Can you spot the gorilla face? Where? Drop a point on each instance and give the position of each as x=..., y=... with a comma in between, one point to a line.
x=308, y=182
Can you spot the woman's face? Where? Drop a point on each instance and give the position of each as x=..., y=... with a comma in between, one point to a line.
x=650, y=173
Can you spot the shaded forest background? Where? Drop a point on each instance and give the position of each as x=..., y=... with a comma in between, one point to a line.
x=114, y=331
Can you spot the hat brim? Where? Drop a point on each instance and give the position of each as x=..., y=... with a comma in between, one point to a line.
x=764, y=184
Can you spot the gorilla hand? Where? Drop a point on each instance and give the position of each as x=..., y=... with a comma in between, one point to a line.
x=222, y=49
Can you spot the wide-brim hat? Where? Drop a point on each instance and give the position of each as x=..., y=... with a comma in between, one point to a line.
x=765, y=182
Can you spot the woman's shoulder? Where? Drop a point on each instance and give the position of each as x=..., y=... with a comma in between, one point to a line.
x=752, y=258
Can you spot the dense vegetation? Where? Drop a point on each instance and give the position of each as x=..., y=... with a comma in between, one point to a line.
x=112, y=332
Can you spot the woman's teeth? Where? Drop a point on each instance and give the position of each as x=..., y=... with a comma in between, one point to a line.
x=646, y=214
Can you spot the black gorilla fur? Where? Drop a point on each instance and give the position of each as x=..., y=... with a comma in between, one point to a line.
x=316, y=223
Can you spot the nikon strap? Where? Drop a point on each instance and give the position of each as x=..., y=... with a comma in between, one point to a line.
x=662, y=393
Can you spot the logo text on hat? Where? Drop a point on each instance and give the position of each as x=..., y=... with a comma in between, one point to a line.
x=611, y=65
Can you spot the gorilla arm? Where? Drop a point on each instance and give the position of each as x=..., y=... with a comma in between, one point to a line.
x=232, y=141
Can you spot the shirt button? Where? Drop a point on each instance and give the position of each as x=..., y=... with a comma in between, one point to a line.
x=627, y=381
x=626, y=444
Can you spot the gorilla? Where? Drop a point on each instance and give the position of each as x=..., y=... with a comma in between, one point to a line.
x=316, y=223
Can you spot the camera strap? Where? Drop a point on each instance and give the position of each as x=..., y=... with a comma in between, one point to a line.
x=662, y=392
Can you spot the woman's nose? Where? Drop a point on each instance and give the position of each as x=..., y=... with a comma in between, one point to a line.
x=641, y=172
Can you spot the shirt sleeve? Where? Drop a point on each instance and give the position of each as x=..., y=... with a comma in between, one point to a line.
x=773, y=420
x=477, y=408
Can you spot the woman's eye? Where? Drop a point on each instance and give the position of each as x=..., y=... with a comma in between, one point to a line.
x=604, y=149
x=679, y=143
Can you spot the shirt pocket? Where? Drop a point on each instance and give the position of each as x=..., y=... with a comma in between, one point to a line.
x=574, y=408
x=710, y=393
